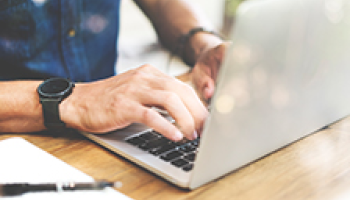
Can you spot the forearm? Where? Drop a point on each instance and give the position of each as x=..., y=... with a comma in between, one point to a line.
x=20, y=109
x=174, y=18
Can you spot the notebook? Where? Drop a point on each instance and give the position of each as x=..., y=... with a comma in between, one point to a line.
x=285, y=76
x=22, y=161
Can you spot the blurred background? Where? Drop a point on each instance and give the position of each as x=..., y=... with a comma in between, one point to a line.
x=138, y=43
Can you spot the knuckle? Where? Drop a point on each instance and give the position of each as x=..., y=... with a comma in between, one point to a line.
x=128, y=89
x=147, y=115
x=136, y=74
x=188, y=90
x=118, y=101
x=146, y=67
x=170, y=98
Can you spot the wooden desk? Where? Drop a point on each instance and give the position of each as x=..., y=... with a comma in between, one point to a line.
x=317, y=167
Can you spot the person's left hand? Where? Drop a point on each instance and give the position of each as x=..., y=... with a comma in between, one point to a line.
x=206, y=69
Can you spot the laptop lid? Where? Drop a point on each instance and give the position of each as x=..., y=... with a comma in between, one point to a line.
x=286, y=75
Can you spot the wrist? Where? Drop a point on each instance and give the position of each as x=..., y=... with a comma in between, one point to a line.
x=68, y=108
x=199, y=43
x=52, y=92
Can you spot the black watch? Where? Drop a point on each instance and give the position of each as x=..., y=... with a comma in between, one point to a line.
x=51, y=93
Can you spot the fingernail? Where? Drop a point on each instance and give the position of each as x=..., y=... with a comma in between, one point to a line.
x=177, y=136
x=194, y=135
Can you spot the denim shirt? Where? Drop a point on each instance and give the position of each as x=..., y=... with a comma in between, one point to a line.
x=76, y=39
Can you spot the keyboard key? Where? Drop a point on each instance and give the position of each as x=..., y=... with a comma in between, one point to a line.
x=183, y=141
x=188, y=167
x=187, y=148
x=190, y=157
x=163, y=149
x=171, y=155
x=149, y=136
x=154, y=144
x=195, y=142
x=179, y=162
x=135, y=141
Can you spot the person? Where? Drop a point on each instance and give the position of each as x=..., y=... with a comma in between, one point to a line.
x=40, y=39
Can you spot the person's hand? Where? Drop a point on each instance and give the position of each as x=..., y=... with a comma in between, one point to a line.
x=206, y=69
x=115, y=103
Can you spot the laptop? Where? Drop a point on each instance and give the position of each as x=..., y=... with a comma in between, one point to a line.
x=286, y=76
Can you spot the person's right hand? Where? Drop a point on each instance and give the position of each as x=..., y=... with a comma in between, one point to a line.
x=116, y=102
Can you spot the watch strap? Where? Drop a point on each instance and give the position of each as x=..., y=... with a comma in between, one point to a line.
x=51, y=113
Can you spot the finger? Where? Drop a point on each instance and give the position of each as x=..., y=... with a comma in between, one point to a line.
x=208, y=90
x=155, y=121
x=191, y=101
x=201, y=80
x=175, y=107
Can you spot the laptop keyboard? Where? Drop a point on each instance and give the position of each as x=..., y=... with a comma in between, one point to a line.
x=180, y=154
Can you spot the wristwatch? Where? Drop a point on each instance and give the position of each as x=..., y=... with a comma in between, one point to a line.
x=51, y=93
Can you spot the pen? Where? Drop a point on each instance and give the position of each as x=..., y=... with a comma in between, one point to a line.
x=20, y=188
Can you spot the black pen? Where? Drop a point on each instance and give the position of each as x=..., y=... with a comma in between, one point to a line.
x=20, y=188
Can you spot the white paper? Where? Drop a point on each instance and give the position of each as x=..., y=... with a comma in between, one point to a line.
x=21, y=161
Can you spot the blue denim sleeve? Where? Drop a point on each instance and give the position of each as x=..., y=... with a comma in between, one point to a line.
x=75, y=39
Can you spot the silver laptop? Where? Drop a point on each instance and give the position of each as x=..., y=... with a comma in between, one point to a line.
x=286, y=75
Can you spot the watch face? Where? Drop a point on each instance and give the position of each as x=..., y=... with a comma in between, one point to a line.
x=55, y=87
